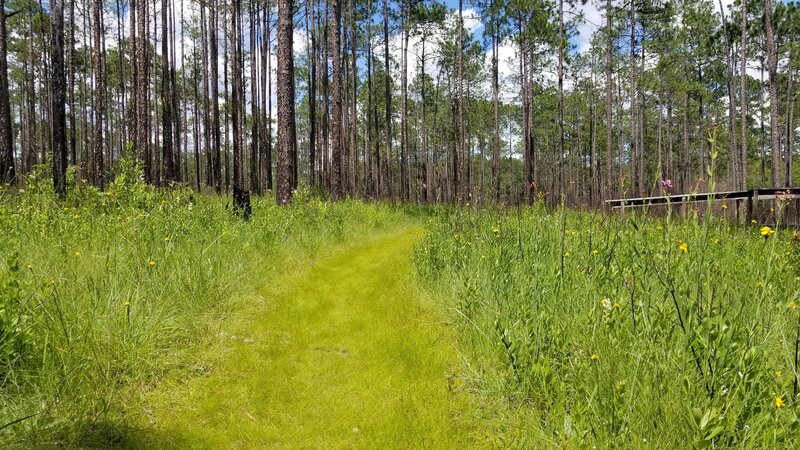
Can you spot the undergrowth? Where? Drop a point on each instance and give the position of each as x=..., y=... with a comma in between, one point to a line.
x=103, y=294
x=587, y=329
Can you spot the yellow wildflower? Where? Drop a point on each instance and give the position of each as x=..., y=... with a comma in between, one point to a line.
x=594, y=357
x=759, y=284
x=151, y=263
x=595, y=251
x=778, y=373
x=566, y=254
x=754, y=221
x=126, y=303
x=724, y=206
x=77, y=253
x=767, y=231
x=496, y=231
x=684, y=247
x=778, y=401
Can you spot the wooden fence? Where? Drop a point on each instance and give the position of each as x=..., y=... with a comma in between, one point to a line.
x=752, y=197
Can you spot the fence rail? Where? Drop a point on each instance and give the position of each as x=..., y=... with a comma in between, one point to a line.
x=752, y=197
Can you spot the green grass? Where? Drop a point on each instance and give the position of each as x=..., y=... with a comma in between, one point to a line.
x=104, y=297
x=148, y=319
x=338, y=354
x=584, y=329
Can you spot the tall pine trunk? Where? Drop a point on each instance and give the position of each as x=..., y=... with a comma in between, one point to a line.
x=388, y=100
x=166, y=99
x=609, y=107
x=772, y=69
x=285, y=99
x=216, y=132
x=336, y=120
x=58, y=98
x=7, y=168
x=142, y=83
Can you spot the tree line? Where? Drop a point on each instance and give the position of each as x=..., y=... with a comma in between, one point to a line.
x=406, y=100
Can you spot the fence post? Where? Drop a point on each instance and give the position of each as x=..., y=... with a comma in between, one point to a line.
x=752, y=206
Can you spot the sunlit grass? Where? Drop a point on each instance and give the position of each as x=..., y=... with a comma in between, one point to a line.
x=105, y=295
x=625, y=331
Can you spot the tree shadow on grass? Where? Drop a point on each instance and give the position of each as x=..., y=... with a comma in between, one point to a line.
x=108, y=435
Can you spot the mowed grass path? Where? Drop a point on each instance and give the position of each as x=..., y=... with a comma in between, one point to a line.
x=340, y=354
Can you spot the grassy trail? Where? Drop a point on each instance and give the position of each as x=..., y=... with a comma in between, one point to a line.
x=341, y=354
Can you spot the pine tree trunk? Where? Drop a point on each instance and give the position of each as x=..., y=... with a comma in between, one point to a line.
x=268, y=162
x=7, y=167
x=404, y=188
x=336, y=122
x=790, y=97
x=58, y=92
x=216, y=132
x=206, y=117
x=609, y=108
x=70, y=58
x=353, y=152
x=495, y=112
x=312, y=93
x=99, y=95
x=236, y=96
x=254, y=142
x=744, y=138
x=388, y=100
x=166, y=99
x=461, y=184
x=561, y=44
x=325, y=163
x=285, y=99
x=142, y=83
x=772, y=68
x=634, y=148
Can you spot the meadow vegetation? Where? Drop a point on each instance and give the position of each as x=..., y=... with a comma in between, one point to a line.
x=574, y=328
x=105, y=294
x=580, y=328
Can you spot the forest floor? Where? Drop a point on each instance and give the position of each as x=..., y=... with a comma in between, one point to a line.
x=342, y=352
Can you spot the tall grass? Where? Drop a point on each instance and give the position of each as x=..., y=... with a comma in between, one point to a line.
x=105, y=293
x=588, y=329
